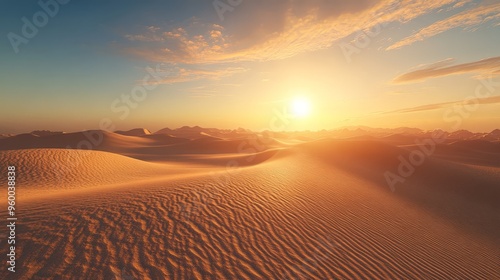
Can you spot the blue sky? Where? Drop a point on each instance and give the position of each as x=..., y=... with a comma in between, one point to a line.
x=236, y=70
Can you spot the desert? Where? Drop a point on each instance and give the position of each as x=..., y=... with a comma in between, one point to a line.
x=199, y=209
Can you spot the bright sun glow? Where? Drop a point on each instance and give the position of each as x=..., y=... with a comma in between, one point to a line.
x=301, y=107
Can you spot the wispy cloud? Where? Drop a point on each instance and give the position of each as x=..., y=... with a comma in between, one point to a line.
x=177, y=74
x=487, y=100
x=177, y=46
x=465, y=19
x=461, y=4
x=293, y=27
x=210, y=90
x=285, y=29
x=149, y=36
x=442, y=68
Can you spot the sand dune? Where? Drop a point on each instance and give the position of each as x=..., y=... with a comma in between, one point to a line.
x=191, y=132
x=478, y=146
x=92, y=139
x=160, y=147
x=135, y=132
x=56, y=170
x=206, y=209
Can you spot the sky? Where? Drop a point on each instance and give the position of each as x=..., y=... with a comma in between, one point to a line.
x=257, y=64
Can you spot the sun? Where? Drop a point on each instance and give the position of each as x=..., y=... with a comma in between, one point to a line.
x=301, y=107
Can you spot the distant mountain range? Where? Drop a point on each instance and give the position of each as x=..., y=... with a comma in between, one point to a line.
x=197, y=132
